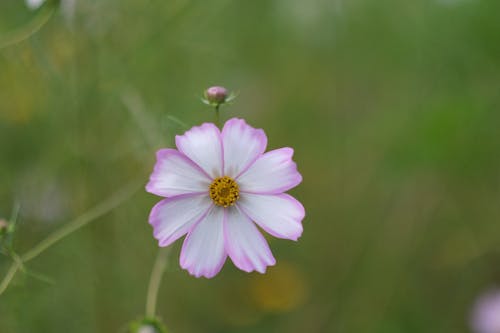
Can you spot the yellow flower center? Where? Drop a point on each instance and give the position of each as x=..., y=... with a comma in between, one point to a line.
x=224, y=191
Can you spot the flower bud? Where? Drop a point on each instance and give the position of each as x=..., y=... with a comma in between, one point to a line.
x=147, y=329
x=216, y=95
x=147, y=325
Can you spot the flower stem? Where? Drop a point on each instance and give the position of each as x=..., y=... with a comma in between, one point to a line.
x=91, y=215
x=79, y=222
x=9, y=276
x=217, y=115
x=155, y=281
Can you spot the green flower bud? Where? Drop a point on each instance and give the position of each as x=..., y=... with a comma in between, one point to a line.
x=216, y=95
x=147, y=329
x=147, y=325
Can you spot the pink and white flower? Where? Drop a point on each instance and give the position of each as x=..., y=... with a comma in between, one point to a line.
x=217, y=185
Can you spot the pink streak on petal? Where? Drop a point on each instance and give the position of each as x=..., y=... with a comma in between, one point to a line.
x=175, y=174
x=242, y=144
x=272, y=173
x=279, y=215
x=203, y=145
x=172, y=218
x=244, y=243
x=203, y=252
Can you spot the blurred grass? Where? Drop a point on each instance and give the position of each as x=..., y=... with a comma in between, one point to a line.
x=392, y=108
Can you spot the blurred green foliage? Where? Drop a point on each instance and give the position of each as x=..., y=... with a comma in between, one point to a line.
x=392, y=107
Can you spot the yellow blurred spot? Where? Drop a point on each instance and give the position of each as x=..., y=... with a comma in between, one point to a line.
x=281, y=289
x=22, y=87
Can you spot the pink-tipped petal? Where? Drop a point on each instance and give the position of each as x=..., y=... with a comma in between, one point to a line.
x=242, y=145
x=272, y=173
x=279, y=215
x=245, y=245
x=172, y=218
x=175, y=174
x=203, y=252
x=203, y=145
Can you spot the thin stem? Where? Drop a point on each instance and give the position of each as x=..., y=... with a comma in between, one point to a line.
x=136, y=106
x=155, y=281
x=81, y=221
x=179, y=122
x=17, y=259
x=91, y=215
x=9, y=276
x=15, y=213
x=217, y=115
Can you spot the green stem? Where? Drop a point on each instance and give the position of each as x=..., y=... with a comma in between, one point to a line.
x=81, y=221
x=155, y=281
x=9, y=276
x=91, y=215
x=15, y=213
x=217, y=115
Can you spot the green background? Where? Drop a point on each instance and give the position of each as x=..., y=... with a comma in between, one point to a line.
x=392, y=107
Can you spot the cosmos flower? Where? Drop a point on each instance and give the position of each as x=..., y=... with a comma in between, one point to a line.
x=486, y=313
x=218, y=185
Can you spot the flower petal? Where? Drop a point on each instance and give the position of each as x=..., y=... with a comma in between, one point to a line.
x=272, y=173
x=203, y=145
x=176, y=174
x=245, y=245
x=203, y=252
x=172, y=218
x=279, y=215
x=242, y=145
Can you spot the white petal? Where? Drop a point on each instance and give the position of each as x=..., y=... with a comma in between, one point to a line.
x=242, y=145
x=279, y=215
x=172, y=218
x=203, y=145
x=176, y=174
x=245, y=245
x=203, y=252
x=272, y=173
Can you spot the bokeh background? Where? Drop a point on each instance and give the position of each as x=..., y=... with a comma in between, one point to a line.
x=392, y=107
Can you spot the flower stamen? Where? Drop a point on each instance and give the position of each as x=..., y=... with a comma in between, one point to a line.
x=224, y=191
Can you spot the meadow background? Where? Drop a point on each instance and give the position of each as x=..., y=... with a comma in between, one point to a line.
x=392, y=107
